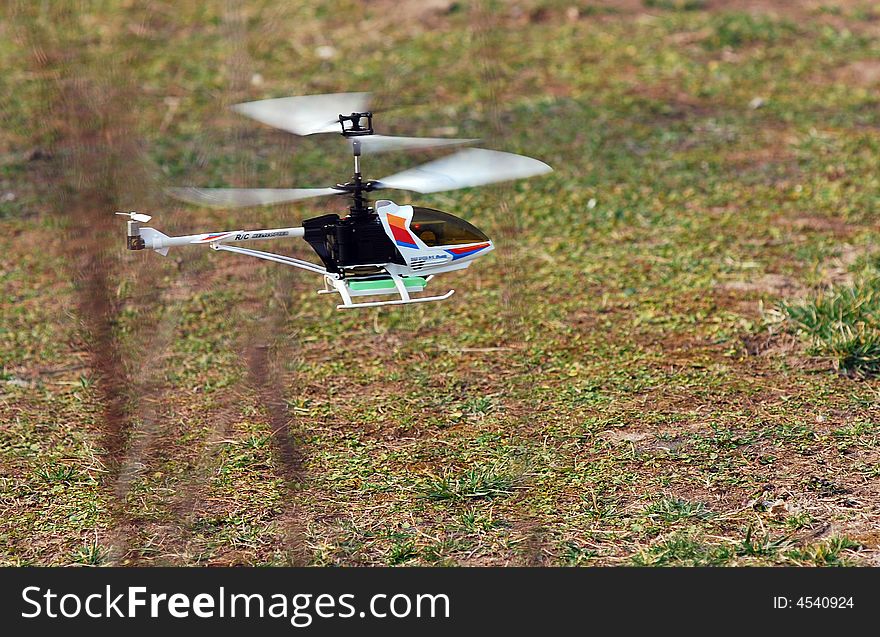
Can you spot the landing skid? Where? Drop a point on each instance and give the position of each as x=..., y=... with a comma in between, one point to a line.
x=382, y=285
x=421, y=299
x=352, y=287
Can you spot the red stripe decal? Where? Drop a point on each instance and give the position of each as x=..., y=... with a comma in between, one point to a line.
x=400, y=234
x=468, y=248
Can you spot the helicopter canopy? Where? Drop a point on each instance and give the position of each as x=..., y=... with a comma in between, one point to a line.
x=438, y=228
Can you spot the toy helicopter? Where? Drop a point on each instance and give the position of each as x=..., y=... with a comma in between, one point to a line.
x=380, y=250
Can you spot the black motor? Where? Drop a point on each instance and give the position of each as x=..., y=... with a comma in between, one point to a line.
x=350, y=241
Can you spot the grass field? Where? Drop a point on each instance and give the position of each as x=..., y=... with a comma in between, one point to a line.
x=670, y=358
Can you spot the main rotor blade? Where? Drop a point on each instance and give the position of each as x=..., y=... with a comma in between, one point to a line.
x=384, y=143
x=242, y=197
x=466, y=168
x=307, y=114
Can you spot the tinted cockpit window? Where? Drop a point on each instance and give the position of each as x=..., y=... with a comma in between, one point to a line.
x=438, y=228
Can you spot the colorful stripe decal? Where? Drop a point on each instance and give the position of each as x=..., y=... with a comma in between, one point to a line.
x=400, y=233
x=212, y=237
x=466, y=251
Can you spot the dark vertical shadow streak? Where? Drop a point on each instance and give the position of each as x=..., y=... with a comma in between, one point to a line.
x=187, y=507
x=97, y=161
x=487, y=31
x=266, y=379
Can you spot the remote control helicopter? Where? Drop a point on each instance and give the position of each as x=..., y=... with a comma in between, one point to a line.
x=378, y=249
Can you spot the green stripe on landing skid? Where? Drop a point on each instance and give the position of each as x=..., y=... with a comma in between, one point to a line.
x=379, y=286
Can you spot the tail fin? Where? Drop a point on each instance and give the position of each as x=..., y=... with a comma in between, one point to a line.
x=152, y=238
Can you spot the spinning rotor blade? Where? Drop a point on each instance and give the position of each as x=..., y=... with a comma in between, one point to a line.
x=308, y=114
x=313, y=114
x=466, y=168
x=242, y=197
x=385, y=143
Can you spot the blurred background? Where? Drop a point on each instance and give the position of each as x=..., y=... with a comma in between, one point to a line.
x=669, y=359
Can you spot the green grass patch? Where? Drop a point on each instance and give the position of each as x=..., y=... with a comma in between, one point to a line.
x=91, y=553
x=676, y=5
x=677, y=509
x=494, y=481
x=842, y=323
x=687, y=549
x=734, y=30
x=837, y=551
x=683, y=549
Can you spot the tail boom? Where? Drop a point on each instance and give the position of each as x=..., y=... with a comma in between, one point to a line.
x=141, y=238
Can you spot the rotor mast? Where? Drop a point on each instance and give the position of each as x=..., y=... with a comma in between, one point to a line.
x=354, y=126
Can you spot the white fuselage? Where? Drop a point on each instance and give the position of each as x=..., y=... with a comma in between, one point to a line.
x=420, y=258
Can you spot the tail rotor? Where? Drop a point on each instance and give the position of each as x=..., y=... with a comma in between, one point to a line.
x=135, y=216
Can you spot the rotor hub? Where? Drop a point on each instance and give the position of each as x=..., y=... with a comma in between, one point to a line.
x=356, y=124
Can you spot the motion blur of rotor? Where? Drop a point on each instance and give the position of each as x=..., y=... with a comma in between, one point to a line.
x=374, y=250
x=347, y=114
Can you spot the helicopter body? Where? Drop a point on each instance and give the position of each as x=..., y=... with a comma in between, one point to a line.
x=415, y=238
x=381, y=250
x=394, y=252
